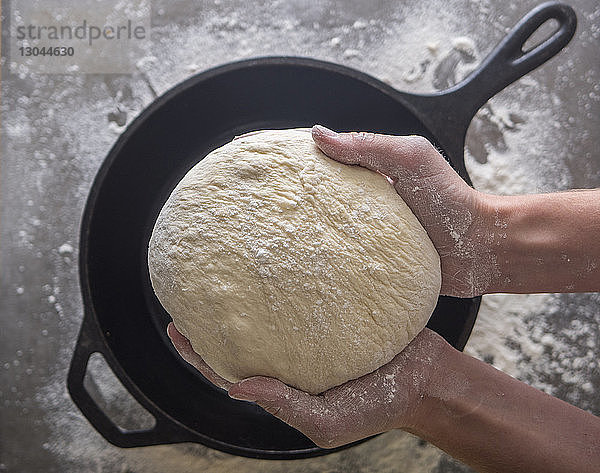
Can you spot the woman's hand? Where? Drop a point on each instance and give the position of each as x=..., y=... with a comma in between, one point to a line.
x=464, y=406
x=456, y=217
x=390, y=397
x=487, y=243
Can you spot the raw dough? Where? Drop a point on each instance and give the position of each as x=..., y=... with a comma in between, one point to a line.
x=275, y=260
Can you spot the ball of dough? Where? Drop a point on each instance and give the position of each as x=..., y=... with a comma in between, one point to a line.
x=275, y=260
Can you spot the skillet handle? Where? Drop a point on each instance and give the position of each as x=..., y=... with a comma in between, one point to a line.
x=165, y=430
x=509, y=62
x=448, y=113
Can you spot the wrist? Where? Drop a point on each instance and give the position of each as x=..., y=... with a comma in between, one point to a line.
x=447, y=398
x=474, y=259
x=428, y=377
x=494, y=217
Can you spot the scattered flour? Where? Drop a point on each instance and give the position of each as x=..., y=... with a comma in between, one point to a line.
x=501, y=336
x=65, y=249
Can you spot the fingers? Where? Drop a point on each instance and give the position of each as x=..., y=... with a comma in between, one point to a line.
x=181, y=344
x=312, y=415
x=184, y=348
x=395, y=156
x=309, y=414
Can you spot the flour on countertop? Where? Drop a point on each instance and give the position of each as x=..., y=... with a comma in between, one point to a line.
x=58, y=129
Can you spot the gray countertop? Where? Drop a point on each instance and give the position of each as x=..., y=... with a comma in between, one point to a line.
x=539, y=134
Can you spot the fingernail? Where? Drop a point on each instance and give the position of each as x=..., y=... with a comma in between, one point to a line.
x=324, y=131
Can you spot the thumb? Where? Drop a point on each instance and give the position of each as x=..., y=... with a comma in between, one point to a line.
x=269, y=391
x=398, y=157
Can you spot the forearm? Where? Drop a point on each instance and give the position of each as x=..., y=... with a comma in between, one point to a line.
x=545, y=242
x=495, y=423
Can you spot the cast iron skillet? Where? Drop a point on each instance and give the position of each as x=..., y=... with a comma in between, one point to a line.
x=123, y=319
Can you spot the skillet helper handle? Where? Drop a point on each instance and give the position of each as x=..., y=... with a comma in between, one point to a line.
x=164, y=430
x=509, y=61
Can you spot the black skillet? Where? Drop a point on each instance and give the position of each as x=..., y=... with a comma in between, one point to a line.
x=123, y=319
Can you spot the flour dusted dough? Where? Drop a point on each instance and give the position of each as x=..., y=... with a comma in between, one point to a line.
x=275, y=260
